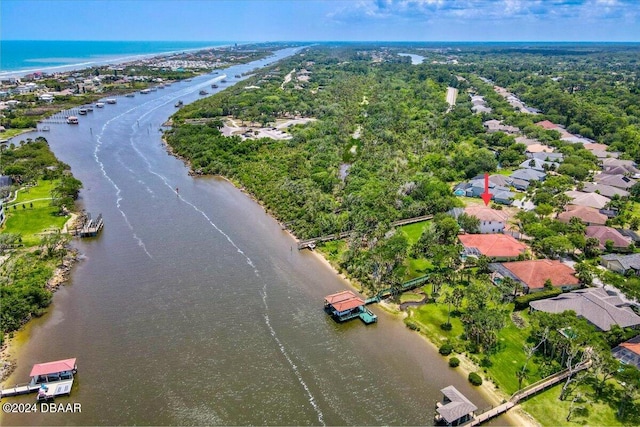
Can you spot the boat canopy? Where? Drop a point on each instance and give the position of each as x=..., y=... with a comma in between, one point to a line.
x=345, y=300
x=53, y=367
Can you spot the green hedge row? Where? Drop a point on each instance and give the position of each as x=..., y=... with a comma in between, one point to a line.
x=523, y=301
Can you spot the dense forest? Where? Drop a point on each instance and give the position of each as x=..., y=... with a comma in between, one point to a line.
x=385, y=147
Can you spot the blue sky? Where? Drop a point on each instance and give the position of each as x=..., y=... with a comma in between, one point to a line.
x=275, y=20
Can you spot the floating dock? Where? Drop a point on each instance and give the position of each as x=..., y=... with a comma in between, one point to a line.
x=345, y=305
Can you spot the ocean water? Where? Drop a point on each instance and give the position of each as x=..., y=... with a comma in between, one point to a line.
x=27, y=56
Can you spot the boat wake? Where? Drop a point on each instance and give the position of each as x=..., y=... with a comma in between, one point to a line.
x=281, y=347
x=96, y=152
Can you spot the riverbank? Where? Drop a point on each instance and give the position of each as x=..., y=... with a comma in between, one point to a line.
x=516, y=416
x=60, y=275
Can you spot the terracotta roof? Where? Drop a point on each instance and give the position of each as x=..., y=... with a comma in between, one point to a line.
x=603, y=233
x=343, y=301
x=484, y=213
x=493, y=245
x=547, y=125
x=535, y=273
x=596, y=147
x=584, y=213
x=635, y=347
x=53, y=367
x=539, y=148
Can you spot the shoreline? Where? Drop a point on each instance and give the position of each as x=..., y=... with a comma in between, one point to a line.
x=59, y=277
x=516, y=416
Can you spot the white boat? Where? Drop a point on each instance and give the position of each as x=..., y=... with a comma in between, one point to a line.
x=72, y=120
x=145, y=91
x=82, y=111
x=153, y=89
x=99, y=104
x=45, y=128
x=130, y=95
x=111, y=101
x=54, y=378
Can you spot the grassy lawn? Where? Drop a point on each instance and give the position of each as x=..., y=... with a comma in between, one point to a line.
x=505, y=172
x=10, y=133
x=550, y=411
x=510, y=358
x=410, y=296
x=414, y=231
x=30, y=222
x=333, y=250
x=429, y=317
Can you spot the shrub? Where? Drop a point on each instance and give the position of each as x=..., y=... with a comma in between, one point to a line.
x=475, y=379
x=446, y=326
x=446, y=349
x=523, y=301
x=486, y=362
x=454, y=362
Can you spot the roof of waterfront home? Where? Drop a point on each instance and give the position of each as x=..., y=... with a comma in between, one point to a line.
x=485, y=213
x=535, y=273
x=493, y=245
x=594, y=304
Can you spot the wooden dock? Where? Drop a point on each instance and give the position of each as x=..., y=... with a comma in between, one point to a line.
x=90, y=227
x=19, y=389
x=311, y=243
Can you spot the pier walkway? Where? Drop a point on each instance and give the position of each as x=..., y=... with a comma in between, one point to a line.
x=311, y=243
x=19, y=389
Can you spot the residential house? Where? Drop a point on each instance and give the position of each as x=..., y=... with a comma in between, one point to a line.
x=520, y=184
x=455, y=409
x=604, y=234
x=630, y=234
x=604, y=190
x=549, y=157
x=528, y=175
x=497, y=126
x=628, y=352
x=628, y=165
x=593, y=200
x=546, y=124
x=595, y=305
x=617, y=180
x=498, y=247
x=504, y=197
x=532, y=275
x=621, y=263
x=587, y=215
x=528, y=141
x=539, y=165
x=538, y=148
x=491, y=220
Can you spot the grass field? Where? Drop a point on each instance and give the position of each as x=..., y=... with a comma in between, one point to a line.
x=414, y=231
x=29, y=221
x=429, y=317
x=550, y=411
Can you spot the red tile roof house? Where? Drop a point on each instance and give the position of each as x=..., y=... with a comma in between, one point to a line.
x=498, y=247
x=588, y=215
x=603, y=233
x=532, y=275
x=546, y=124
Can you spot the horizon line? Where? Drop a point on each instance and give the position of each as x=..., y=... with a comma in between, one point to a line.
x=327, y=41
